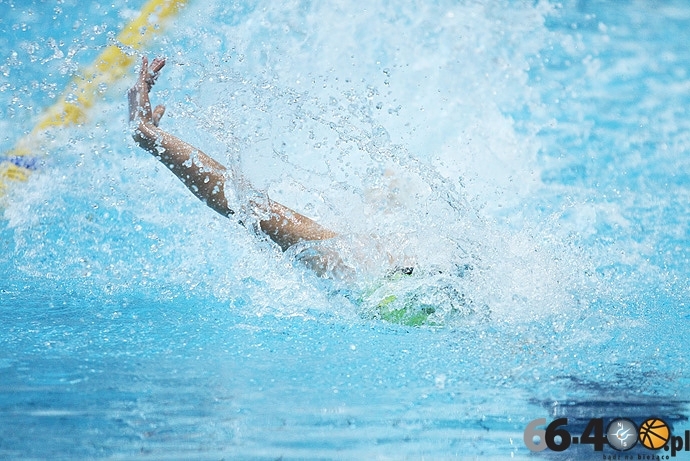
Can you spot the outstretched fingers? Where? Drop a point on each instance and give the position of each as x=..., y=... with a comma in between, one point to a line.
x=153, y=70
x=138, y=95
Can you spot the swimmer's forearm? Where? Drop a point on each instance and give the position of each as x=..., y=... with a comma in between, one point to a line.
x=205, y=177
x=202, y=175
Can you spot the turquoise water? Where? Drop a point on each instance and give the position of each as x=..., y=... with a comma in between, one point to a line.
x=535, y=151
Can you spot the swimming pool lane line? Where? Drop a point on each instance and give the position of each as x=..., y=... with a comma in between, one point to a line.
x=81, y=92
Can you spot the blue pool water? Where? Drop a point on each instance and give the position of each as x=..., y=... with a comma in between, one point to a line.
x=540, y=147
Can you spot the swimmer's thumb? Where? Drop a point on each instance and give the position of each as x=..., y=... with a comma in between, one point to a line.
x=158, y=113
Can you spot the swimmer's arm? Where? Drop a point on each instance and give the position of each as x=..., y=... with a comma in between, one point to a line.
x=287, y=227
x=204, y=176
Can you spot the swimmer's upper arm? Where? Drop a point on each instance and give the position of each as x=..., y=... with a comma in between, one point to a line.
x=287, y=227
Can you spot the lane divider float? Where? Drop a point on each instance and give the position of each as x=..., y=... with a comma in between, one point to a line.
x=81, y=93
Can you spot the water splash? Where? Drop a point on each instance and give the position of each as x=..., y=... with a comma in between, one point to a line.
x=413, y=174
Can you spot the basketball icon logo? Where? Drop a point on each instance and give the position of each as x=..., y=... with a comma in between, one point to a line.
x=654, y=433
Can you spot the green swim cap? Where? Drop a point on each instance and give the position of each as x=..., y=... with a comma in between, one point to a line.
x=409, y=297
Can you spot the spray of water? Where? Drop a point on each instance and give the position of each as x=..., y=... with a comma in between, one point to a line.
x=402, y=128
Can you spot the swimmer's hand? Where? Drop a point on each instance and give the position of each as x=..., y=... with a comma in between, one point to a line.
x=140, y=113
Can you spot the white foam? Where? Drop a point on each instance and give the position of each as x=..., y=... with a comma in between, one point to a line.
x=391, y=123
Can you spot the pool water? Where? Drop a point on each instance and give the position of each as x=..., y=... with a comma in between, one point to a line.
x=530, y=157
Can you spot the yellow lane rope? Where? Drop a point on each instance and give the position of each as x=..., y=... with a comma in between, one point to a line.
x=81, y=93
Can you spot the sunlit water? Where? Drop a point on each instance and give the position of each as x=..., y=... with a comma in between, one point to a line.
x=532, y=157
